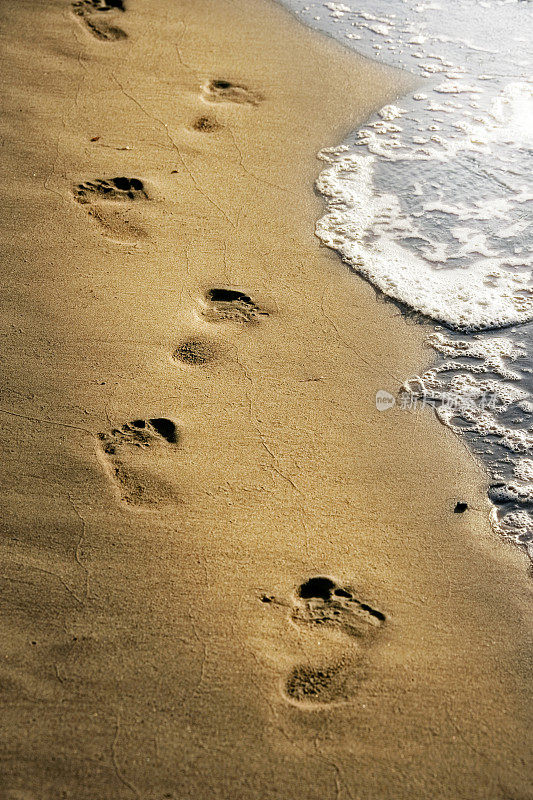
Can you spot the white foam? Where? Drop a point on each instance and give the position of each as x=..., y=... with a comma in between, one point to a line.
x=372, y=17
x=337, y=9
x=391, y=112
x=472, y=241
x=432, y=69
x=467, y=397
x=379, y=28
x=524, y=470
x=475, y=403
x=440, y=107
x=456, y=88
x=484, y=296
x=459, y=210
x=520, y=493
x=491, y=354
x=517, y=525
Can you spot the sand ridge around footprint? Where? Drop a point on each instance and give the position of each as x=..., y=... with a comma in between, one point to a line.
x=108, y=201
x=99, y=17
x=223, y=303
x=136, y=455
x=321, y=604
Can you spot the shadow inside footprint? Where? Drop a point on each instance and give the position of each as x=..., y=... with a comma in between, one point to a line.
x=121, y=189
x=231, y=304
x=165, y=428
x=223, y=91
x=322, y=601
x=139, y=479
x=321, y=588
x=94, y=14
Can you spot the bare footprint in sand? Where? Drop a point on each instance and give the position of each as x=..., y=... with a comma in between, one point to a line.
x=222, y=91
x=99, y=16
x=195, y=352
x=108, y=201
x=206, y=125
x=136, y=458
x=224, y=303
x=121, y=189
x=321, y=602
x=323, y=685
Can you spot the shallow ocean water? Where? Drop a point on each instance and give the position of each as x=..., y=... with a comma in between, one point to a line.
x=431, y=201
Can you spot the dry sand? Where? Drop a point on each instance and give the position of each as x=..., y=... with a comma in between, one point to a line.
x=155, y=643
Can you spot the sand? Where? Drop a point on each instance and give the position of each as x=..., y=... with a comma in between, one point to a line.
x=190, y=437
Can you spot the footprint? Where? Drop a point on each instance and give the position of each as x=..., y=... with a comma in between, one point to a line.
x=233, y=305
x=194, y=351
x=99, y=195
x=122, y=189
x=96, y=17
x=206, y=125
x=221, y=91
x=324, y=685
x=321, y=601
x=136, y=457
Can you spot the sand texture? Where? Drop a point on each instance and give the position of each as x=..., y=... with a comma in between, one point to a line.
x=224, y=574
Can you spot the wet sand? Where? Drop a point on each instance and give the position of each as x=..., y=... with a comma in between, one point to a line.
x=224, y=572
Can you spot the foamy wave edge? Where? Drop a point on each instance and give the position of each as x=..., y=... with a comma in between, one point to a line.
x=483, y=297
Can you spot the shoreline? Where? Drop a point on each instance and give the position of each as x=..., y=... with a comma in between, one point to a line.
x=476, y=313
x=191, y=438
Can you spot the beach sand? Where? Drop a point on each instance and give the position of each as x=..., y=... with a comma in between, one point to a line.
x=162, y=632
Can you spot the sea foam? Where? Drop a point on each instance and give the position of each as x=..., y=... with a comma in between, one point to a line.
x=486, y=295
